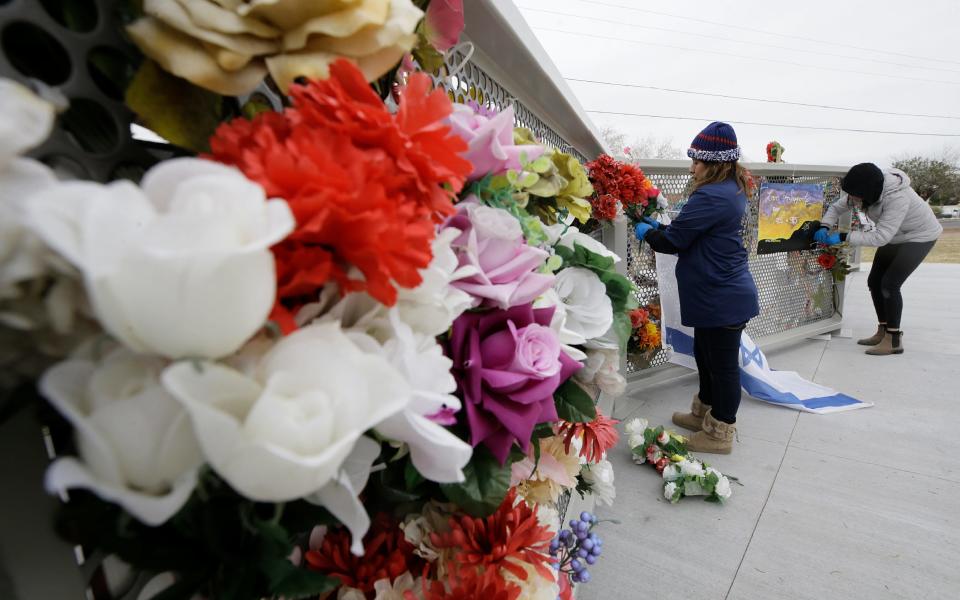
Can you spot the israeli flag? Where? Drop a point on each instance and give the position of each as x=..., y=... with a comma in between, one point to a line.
x=784, y=388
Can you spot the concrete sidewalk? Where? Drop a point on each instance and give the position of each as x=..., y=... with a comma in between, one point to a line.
x=857, y=505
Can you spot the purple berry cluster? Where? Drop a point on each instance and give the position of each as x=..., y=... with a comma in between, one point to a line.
x=574, y=549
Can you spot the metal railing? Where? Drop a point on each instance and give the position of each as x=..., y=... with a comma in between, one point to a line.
x=797, y=297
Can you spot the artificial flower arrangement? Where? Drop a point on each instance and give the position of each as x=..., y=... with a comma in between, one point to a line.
x=645, y=336
x=336, y=354
x=621, y=187
x=683, y=473
x=834, y=259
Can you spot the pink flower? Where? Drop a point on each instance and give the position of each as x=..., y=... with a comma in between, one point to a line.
x=490, y=140
x=444, y=23
x=504, y=267
x=508, y=364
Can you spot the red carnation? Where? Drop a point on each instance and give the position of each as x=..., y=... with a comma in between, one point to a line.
x=604, y=207
x=387, y=555
x=827, y=261
x=365, y=186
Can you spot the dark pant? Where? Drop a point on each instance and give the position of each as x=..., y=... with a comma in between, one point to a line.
x=891, y=267
x=717, y=352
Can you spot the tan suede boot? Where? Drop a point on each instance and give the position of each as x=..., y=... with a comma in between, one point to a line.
x=692, y=420
x=892, y=344
x=876, y=338
x=715, y=438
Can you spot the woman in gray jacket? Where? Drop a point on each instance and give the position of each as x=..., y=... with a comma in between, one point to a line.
x=905, y=230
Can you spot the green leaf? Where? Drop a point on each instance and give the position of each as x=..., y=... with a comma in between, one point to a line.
x=485, y=487
x=412, y=477
x=622, y=327
x=429, y=59
x=174, y=108
x=294, y=583
x=574, y=405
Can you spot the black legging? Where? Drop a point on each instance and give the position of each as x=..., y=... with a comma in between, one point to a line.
x=891, y=267
x=717, y=352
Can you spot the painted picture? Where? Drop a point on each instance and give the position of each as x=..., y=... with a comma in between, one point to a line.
x=788, y=212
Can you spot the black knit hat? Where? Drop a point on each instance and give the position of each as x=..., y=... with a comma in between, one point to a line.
x=864, y=181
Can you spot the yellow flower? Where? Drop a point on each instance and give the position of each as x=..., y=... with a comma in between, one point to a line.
x=229, y=46
x=676, y=458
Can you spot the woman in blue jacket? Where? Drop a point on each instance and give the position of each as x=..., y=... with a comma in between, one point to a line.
x=717, y=292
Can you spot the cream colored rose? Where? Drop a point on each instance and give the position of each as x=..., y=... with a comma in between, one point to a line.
x=229, y=46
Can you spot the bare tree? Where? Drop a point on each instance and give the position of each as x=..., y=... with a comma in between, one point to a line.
x=646, y=147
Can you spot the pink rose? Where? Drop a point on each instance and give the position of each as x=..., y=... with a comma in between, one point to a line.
x=507, y=364
x=490, y=139
x=443, y=23
x=504, y=267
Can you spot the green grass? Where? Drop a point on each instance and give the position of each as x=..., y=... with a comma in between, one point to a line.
x=946, y=250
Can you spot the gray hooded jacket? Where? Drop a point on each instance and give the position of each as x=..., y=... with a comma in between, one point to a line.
x=900, y=215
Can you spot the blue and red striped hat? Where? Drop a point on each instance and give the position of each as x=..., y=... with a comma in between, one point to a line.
x=716, y=143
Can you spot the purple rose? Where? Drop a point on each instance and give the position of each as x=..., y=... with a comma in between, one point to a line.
x=508, y=364
x=502, y=267
x=490, y=139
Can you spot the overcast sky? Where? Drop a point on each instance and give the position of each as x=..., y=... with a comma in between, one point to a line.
x=910, y=63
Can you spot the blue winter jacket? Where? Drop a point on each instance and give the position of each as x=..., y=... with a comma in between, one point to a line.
x=714, y=282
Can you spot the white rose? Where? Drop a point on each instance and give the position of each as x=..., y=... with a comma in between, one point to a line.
x=136, y=445
x=284, y=431
x=635, y=426
x=181, y=267
x=639, y=459
x=27, y=304
x=723, y=488
x=438, y=454
x=664, y=437
x=669, y=489
x=637, y=439
x=433, y=306
x=588, y=308
x=691, y=468
x=567, y=236
x=600, y=477
x=558, y=323
x=671, y=472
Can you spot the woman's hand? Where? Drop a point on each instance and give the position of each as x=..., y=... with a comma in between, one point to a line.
x=642, y=229
x=828, y=239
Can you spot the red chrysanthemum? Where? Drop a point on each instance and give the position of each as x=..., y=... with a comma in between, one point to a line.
x=366, y=187
x=598, y=436
x=623, y=181
x=471, y=584
x=387, y=555
x=638, y=317
x=827, y=261
x=510, y=535
x=604, y=207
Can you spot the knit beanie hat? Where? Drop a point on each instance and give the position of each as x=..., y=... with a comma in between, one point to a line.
x=864, y=181
x=716, y=143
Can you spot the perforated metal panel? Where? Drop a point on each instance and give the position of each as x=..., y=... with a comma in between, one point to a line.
x=472, y=83
x=75, y=48
x=794, y=290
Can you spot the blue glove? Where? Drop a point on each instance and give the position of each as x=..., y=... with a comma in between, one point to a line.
x=828, y=239
x=641, y=230
x=653, y=222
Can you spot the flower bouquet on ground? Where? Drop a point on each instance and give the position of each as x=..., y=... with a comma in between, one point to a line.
x=683, y=473
x=834, y=259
